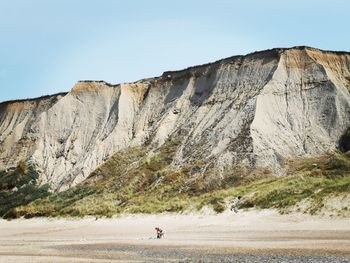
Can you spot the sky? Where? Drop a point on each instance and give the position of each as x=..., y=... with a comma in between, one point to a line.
x=46, y=46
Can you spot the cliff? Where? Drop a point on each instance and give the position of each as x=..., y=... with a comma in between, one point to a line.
x=258, y=110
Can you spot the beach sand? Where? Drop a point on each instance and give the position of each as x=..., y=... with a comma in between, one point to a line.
x=248, y=236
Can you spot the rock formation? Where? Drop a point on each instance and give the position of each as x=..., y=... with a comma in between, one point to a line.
x=257, y=110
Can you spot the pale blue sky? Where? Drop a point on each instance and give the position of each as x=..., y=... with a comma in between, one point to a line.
x=48, y=45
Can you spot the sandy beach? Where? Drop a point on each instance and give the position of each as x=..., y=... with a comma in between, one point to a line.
x=251, y=236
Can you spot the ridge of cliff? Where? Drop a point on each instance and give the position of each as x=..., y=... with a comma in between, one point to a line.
x=257, y=110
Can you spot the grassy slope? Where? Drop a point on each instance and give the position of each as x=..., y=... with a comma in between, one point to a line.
x=18, y=187
x=134, y=182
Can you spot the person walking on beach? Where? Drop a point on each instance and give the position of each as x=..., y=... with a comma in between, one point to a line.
x=234, y=204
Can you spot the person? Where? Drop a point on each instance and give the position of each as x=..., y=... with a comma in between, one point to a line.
x=235, y=204
x=160, y=232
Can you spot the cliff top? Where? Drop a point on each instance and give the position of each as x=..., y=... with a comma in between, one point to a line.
x=267, y=52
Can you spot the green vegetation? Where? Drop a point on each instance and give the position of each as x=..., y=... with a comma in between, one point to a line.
x=134, y=181
x=314, y=180
x=18, y=187
x=344, y=141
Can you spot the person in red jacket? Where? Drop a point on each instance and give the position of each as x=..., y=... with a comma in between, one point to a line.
x=160, y=232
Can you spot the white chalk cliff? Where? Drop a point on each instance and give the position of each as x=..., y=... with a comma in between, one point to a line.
x=257, y=110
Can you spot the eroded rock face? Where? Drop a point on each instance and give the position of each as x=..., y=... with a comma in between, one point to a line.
x=257, y=110
x=304, y=109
